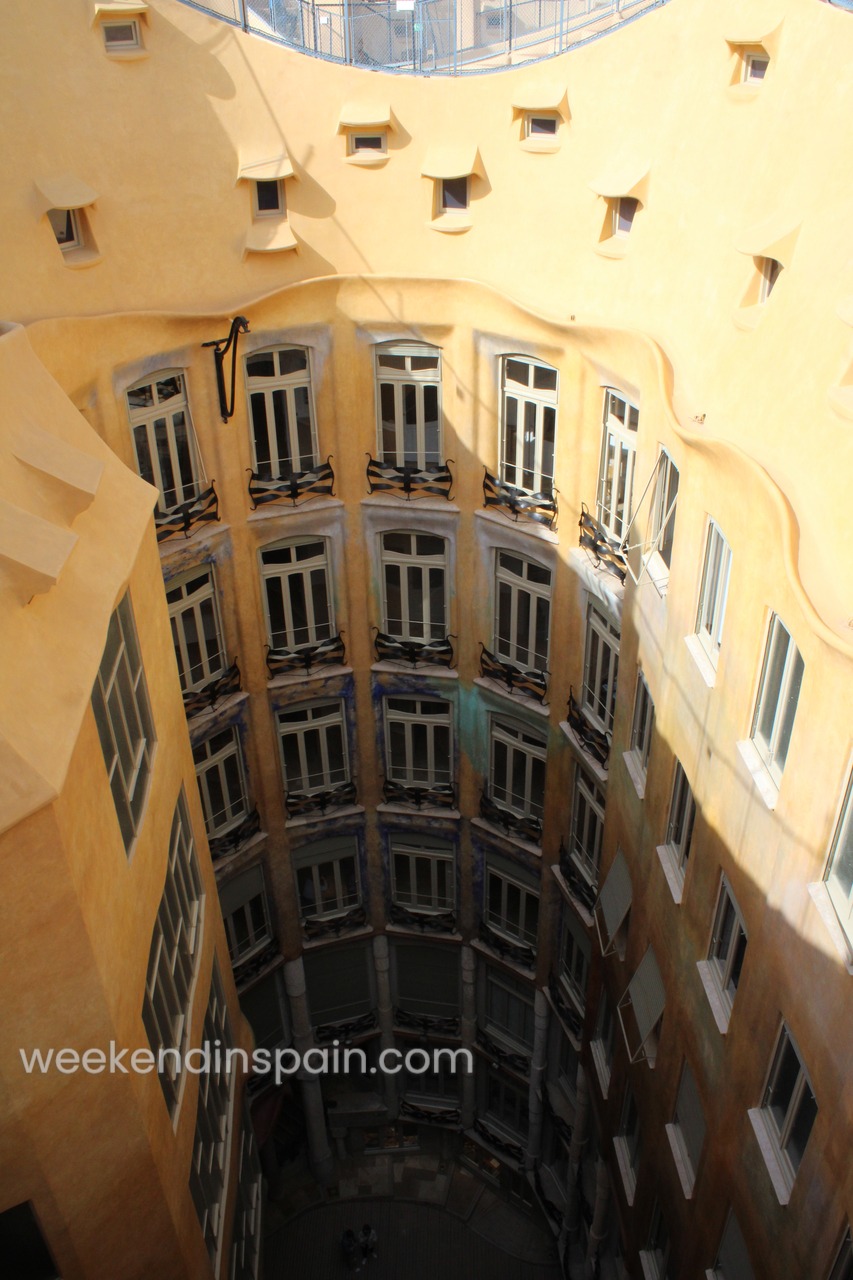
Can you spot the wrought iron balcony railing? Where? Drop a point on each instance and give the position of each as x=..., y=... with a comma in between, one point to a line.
x=604, y=551
x=526, y=828
x=426, y=1024
x=181, y=519
x=413, y=652
x=345, y=1031
x=579, y=886
x=430, y=1115
x=541, y=507
x=592, y=740
x=558, y=1124
x=325, y=653
x=530, y=684
x=317, y=927
x=198, y=700
x=567, y=1015
x=518, y=1062
x=299, y=804
x=550, y=1208
x=441, y=795
x=319, y=482
x=245, y=970
x=507, y=1148
x=435, y=480
x=426, y=921
x=518, y=952
x=221, y=846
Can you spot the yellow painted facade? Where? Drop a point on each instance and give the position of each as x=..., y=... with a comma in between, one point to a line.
x=750, y=400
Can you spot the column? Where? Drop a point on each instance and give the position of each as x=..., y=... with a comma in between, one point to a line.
x=319, y=1151
x=469, y=1032
x=384, y=1008
x=580, y=1129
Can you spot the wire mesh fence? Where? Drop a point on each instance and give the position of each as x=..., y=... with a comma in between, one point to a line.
x=428, y=36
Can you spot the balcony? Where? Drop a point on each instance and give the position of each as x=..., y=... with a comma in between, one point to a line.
x=181, y=519
x=426, y=1024
x=518, y=952
x=246, y=970
x=325, y=653
x=499, y=1056
x=205, y=698
x=529, y=684
x=522, y=827
x=316, y=927
x=430, y=1115
x=541, y=507
x=413, y=652
x=500, y=1144
x=434, y=480
x=606, y=553
x=303, y=804
x=441, y=795
x=319, y=482
x=567, y=1015
x=425, y=921
x=591, y=740
x=579, y=887
x=222, y=846
x=346, y=1032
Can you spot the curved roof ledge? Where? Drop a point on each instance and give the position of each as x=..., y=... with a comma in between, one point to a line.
x=775, y=237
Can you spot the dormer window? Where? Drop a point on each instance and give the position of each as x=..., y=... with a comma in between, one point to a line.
x=269, y=198
x=367, y=143
x=454, y=195
x=66, y=200
x=624, y=212
x=755, y=67
x=121, y=37
x=769, y=270
x=66, y=228
x=540, y=125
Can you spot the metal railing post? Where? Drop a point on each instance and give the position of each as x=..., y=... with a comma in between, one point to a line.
x=244, y=17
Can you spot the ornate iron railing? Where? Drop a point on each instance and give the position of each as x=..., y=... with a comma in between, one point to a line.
x=198, y=700
x=180, y=519
x=430, y=1115
x=426, y=921
x=541, y=507
x=567, y=1015
x=426, y=1024
x=560, y=1126
x=550, y=1208
x=507, y=1148
x=392, y=649
x=317, y=927
x=592, y=740
x=532, y=684
x=604, y=551
x=526, y=828
x=579, y=886
x=518, y=1062
x=245, y=970
x=441, y=795
x=298, y=805
x=325, y=653
x=345, y=1031
x=434, y=480
x=319, y=482
x=518, y=952
x=221, y=846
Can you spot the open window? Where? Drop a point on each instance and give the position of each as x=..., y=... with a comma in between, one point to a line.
x=457, y=175
x=650, y=535
x=624, y=190
x=753, y=52
x=641, y=1010
x=66, y=202
x=613, y=908
x=270, y=230
x=771, y=245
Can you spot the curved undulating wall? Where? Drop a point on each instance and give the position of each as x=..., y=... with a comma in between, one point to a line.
x=610, y=290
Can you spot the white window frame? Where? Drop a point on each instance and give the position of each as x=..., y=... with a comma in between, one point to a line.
x=173, y=958
x=279, y=209
x=518, y=1025
x=624, y=212
x=420, y=851
x=675, y=850
x=714, y=592
x=303, y=581
x=420, y=720
x=838, y=886
x=196, y=623
x=654, y=1259
x=315, y=718
x=244, y=899
x=642, y=728
x=129, y=45
x=419, y=593
x=509, y=917
x=522, y=607
x=780, y=1131
x=512, y=1109
x=527, y=455
x=772, y=741
x=687, y=1131
x=226, y=765
x=721, y=972
x=601, y=668
x=284, y=390
x=574, y=963
x=407, y=389
x=626, y=1143
x=170, y=459
x=331, y=897
x=212, y=1141
x=618, y=459
x=532, y=118
x=769, y=271
x=732, y=1261
x=662, y=521
x=511, y=737
x=601, y=1044
x=587, y=832
x=454, y=195
x=67, y=220
x=122, y=713
x=751, y=62
x=357, y=144
x=246, y=1236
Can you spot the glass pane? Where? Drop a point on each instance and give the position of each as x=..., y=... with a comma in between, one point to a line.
x=292, y=360
x=283, y=461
